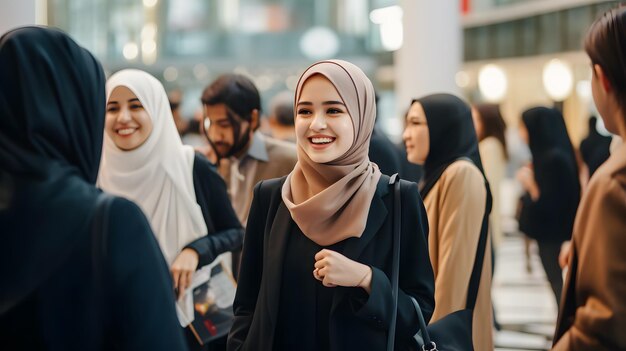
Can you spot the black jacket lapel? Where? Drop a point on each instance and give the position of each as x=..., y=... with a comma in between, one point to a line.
x=275, y=249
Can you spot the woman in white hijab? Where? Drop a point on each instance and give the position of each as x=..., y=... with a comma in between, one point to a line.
x=317, y=257
x=144, y=160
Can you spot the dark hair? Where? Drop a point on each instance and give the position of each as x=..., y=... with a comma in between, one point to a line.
x=492, y=123
x=237, y=92
x=605, y=44
x=282, y=108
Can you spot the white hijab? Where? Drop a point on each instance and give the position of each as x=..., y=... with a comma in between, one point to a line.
x=158, y=174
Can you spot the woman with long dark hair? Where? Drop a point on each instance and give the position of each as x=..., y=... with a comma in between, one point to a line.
x=593, y=309
x=490, y=129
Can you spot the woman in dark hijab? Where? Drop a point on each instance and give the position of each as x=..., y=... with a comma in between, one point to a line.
x=51, y=129
x=553, y=189
x=440, y=136
x=594, y=148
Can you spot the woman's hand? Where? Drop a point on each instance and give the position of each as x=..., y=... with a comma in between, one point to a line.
x=526, y=176
x=564, y=255
x=334, y=269
x=182, y=269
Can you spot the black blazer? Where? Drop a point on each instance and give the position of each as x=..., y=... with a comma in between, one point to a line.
x=357, y=321
x=224, y=230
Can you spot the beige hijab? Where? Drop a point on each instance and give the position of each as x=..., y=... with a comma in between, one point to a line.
x=330, y=201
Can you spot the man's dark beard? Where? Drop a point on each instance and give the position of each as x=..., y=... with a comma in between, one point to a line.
x=239, y=141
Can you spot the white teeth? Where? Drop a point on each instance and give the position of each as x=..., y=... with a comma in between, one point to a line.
x=321, y=140
x=126, y=131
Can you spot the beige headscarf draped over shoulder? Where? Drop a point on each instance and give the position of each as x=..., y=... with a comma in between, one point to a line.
x=330, y=201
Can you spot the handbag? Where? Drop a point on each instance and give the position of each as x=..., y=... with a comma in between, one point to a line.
x=453, y=332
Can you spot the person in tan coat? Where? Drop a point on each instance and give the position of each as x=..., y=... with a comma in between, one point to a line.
x=593, y=304
x=440, y=135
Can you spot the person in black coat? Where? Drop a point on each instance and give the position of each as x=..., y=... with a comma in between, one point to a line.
x=595, y=147
x=384, y=153
x=317, y=253
x=552, y=185
x=52, y=108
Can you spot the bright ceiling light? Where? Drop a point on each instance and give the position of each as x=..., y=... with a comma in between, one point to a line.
x=492, y=83
x=558, y=79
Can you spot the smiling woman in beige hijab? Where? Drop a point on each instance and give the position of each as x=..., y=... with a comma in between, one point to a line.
x=317, y=252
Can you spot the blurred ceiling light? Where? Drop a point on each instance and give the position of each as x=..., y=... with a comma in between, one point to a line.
x=241, y=70
x=148, y=31
x=170, y=74
x=149, y=3
x=200, y=71
x=492, y=83
x=558, y=79
x=148, y=46
x=462, y=79
x=386, y=14
x=583, y=89
x=319, y=43
x=130, y=51
x=264, y=82
x=389, y=20
x=148, y=51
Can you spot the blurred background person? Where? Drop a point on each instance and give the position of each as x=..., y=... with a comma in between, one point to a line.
x=593, y=307
x=382, y=151
x=440, y=135
x=79, y=270
x=594, y=149
x=490, y=129
x=281, y=117
x=552, y=188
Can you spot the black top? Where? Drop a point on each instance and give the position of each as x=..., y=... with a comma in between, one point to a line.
x=356, y=320
x=551, y=217
x=595, y=148
x=304, y=310
x=384, y=153
x=51, y=127
x=225, y=233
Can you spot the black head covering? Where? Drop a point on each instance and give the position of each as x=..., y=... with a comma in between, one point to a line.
x=52, y=105
x=547, y=132
x=452, y=136
x=595, y=148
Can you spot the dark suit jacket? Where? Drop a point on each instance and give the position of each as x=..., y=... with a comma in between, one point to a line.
x=357, y=321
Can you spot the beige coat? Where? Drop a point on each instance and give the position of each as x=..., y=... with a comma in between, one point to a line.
x=455, y=207
x=593, y=305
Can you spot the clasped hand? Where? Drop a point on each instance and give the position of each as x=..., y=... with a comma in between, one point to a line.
x=334, y=269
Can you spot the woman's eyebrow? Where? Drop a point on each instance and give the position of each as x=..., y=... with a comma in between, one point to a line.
x=307, y=103
x=333, y=103
x=133, y=100
x=112, y=102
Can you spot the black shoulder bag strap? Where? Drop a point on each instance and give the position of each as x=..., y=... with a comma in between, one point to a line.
x=99, y=232
x=474, y=283
x=395, y=269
